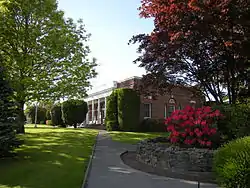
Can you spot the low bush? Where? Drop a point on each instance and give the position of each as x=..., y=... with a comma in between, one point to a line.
x=152, y=125
x=236, y=123
x=232, y=164
x=111, y=126
x=48, y=122
x=194, y=127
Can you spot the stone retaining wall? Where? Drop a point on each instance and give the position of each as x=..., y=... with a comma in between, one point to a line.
x=165, y=156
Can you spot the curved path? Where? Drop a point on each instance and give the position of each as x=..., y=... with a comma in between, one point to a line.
x=108, y=171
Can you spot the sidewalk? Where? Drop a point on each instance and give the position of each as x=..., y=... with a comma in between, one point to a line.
x=108, y=171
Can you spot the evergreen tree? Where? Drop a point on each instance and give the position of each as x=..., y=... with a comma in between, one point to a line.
x=8, y=139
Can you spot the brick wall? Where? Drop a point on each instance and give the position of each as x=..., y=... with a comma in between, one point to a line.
x=181, y=95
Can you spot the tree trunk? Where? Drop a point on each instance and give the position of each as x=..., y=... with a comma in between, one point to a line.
x=21, y=118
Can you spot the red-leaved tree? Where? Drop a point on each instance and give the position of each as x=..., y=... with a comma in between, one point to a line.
x=205, y=43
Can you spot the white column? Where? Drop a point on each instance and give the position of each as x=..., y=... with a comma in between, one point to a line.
x=87, y=118
x=98, y=112
x=92, y=119
x=105, y=107
x=87, y=115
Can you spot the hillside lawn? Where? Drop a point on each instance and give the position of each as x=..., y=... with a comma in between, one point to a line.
x=49, y=158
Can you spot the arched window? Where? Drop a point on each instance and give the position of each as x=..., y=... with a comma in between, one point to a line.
x=170, y=107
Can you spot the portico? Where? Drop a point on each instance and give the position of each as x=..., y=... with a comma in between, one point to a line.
x=97, y=103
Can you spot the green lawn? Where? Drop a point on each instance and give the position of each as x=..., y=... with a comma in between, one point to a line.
x=50, y=158
x=133, y=137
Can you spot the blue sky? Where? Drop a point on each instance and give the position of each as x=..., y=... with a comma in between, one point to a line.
x=112, y=23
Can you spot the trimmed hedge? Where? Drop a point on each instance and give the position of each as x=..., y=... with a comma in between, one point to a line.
x=74, y=112
x=111, y=120
x=232, y=164
x=128, y=103
x=152, y=125
x=56, y=116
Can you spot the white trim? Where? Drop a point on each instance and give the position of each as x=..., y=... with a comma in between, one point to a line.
x=98, y=95
x=150, y=110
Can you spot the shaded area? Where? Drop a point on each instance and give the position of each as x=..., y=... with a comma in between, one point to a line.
x=49, y=158
x=134, y=137
x=129, y=158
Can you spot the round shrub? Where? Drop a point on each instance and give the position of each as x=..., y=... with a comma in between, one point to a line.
x=111, y=120
x=74, y=112
x=232, y=164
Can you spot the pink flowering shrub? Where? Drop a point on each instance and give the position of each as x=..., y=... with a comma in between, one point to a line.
x=193, y=126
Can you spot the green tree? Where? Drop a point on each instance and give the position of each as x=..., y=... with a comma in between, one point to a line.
x=128, y=105
x=74, y=112
x=56, y=115
x=111, y=120
x=8, y=140
x=31, y=114
x=45, y=55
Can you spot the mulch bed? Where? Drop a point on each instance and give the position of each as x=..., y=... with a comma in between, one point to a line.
x=129, y=158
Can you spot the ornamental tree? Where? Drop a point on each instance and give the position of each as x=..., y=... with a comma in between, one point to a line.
x=46, y=55
x=192, y=126
x=202, y=43
x=74, y=112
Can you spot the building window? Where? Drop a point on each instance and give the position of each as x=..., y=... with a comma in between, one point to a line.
x=168, y=110
x=147, y=110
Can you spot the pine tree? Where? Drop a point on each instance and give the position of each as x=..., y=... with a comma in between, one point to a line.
x=8, y=139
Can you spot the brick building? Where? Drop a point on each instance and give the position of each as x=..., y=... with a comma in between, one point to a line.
x=160, y=108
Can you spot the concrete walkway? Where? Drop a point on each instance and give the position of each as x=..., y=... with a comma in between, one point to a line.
x=108, y=171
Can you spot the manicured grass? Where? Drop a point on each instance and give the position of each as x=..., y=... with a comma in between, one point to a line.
x=49, y=158
x=134, y=137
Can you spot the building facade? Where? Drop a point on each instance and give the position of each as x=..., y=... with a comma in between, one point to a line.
x=160, y=108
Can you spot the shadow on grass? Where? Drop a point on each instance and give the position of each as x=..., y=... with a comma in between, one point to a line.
x=49, y=158
x=134, y=137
